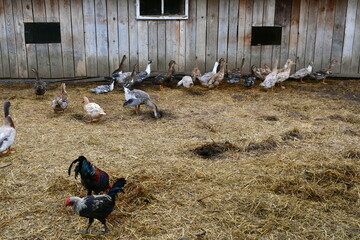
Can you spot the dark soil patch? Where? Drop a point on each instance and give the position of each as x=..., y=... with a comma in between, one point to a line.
x=350, y=132
x=238, y=97
x=352, y=154
x=78, y=117
x=336, y=117
x=298, y=115
x=213, y=149
x=292, y=135
x=264, y=145
x=270, y=118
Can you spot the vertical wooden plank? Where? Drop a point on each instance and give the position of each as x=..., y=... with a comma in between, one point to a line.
x=4, y=55
x=339, y=31
x=133, y=25
x=112, y=20
x=90, y=40
x=172, y=29
x=162, y=65
x=182, y=48
x=240, y=53
x=77, y=22
x=268, y=20
x=233, y=34
x=190, y=34
x=20, y=39
x=212, y=33
x=66, y=38
x=301, y=45
x=10, y=34
x=294, y=29
x=257, y=21
x=153, y=39
x=311, y=31
x=328, y=34
x=320, y=31
x=42, y=50
x=55, y=54
x=282, y=18
x=356, y=54
x=247, y=37
x=223, y=29
x=123, y=26
x=30, y=48
x=143, y=41
x=102, y=50
x=349, y=36
x=201, y=33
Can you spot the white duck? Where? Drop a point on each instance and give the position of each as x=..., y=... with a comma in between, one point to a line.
x=270, y=79
x=186, y=81
x=284, y=73
x=7, y=131
x=94, y=111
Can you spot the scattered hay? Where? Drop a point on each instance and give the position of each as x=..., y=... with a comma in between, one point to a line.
x=264, y=145
x=292, y=135
x=213, y=149
x=320, y=186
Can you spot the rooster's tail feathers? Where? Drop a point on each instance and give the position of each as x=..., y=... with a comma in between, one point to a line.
x=118, y=186
x=80, y=160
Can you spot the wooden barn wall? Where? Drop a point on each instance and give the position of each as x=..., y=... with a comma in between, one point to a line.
x=96, y=33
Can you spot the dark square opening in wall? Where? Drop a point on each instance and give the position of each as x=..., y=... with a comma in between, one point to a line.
x=266, y=36
x=42, y=32
x=150, y=7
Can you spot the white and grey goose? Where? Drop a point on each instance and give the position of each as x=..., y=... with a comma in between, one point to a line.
x=205, y=78
x=137, y=97
x=303, y=72
x=104, y=88
x=119, y=73
x=7, y=131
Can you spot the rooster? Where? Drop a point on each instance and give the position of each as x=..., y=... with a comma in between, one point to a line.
x=96, y=206
x=92, y=178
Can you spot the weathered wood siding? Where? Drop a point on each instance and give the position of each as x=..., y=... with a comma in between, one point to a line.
x=96, y=33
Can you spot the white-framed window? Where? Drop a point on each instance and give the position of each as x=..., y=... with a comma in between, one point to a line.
x=162, y=9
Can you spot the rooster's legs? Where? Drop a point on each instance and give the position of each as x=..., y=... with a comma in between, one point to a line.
x=91, y=220
x=103, y=221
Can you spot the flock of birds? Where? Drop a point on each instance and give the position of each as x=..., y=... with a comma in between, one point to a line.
x=93, y=179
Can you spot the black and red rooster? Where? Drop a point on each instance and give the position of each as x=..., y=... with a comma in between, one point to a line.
x=92, y=178
x=96, y=206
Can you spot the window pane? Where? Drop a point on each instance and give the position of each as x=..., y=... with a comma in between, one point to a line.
x=150, y=7
x=174, y=7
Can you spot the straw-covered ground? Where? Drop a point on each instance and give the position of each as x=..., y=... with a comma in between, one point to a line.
x=227, y=163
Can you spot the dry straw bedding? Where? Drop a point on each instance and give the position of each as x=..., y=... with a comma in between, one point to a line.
x=285, y=163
